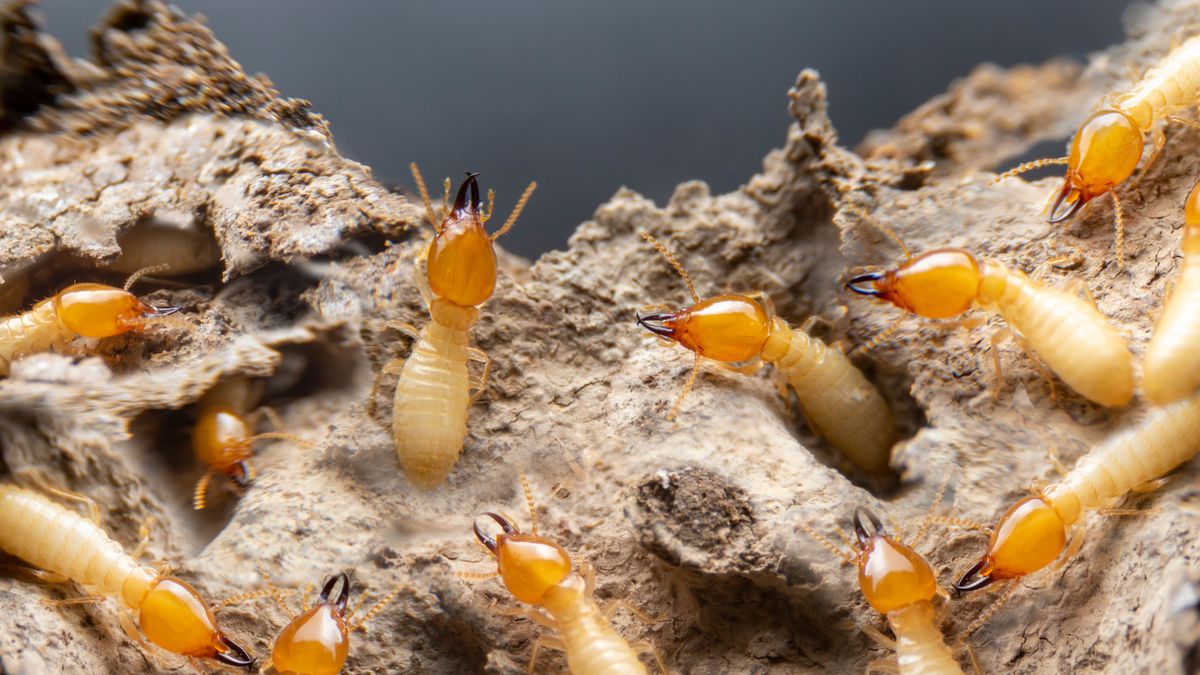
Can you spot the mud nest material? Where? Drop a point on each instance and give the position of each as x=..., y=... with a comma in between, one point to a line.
x=697, y=521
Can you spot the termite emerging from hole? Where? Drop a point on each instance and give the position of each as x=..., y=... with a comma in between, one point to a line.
x=538, y=571
x=1171, y=365
x=899, y=584
x=1108, y=146
x=1061, y=328
x=224, y=437
x=80, y=310
x=1033, y=532
x=840, y=404
x=317, y=640
x=434, y=390
x=62, y=545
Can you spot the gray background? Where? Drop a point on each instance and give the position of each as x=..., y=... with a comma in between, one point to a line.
x=587, y=96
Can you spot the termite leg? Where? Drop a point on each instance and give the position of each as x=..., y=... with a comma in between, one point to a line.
x=475, y=354
x=643, y=647
x=547, y=642
x=1059, y=467
x=129, y=625
x=989, y=611
x=93, y=510
x=200, y=493
x=879, y=225
x=40, y=575
x=884, y=665
x=534, y=614
x=403, y=327
x=81, y=600
x=687, y=387
x=781, y=383
x=1152, y=485
x=143, y=537
x=1037, y=363
x=589, y=578
x=996, y=339
x=392, y=367
x=878, y=636
x=613, y=605
x=750, y=368
x=1130, y=512
x=765, y=300
x=974, y=659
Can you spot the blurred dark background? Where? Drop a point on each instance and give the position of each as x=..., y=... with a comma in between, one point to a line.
x=587, y=96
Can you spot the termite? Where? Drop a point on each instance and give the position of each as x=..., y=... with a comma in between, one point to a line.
x=434, y=391
x=223, y=437
x=1033, y=532
x=838, y=401
x=538, y=571
x=60, y=543
x=316, y=641
x=1108, y=146
x=1065, y=331
x=80, y=310
x=1171, y=365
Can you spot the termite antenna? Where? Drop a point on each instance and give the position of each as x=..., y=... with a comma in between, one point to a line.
x=1030, y=166
x=420, y=180
x=516, y=213
x=1120, y=213
x=987, y=613
x=879, y=225
x=825, y=543
x=883, y=335
x=133, y=278
x=687, y=387
x=674, y=263
x=529, y=502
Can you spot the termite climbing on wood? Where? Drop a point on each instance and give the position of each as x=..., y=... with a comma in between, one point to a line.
x=899, y=584
x=434, y=390
x=60, y=543
x=1108, y=146
x=80, y=310
x=1171, y=365
x=1033, y=532
x=841, y=405
x=223, y=436
x=1064, y=330
x=317, y=640
x=538, y=571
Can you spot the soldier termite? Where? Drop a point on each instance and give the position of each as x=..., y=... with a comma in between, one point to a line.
x=1064, y=330
x=1033, y=532
x=434, y=390
x=538, y=571
x=837, y=400
x=1171, y=365
x=223, y=436
x=60, y=543
x=1109, y=144
x=79, y=310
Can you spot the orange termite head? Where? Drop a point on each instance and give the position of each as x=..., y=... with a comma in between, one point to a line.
x=317, y=641
x=890, y=574
x=727, y=328
x=219, y=439
x=937, y=284
x=1105, y=151
x=175, y=617
x=462, y=261
x=528, y=564
x=98, y=311
x=1030, y=536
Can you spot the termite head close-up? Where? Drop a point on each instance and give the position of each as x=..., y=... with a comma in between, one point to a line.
x=937, y=284
x=890, y=574
x=173, y=616
x=99, y=311
x=317, y=641
x=528, y=564
x=1104, y=153
x=727, y=328
x=1030, y=535
x=462, y=260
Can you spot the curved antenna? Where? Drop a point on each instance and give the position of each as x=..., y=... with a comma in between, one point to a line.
x=971, y=580
x=870, y=291
x=512, y=218
x=1030, y=166
x=674, y=263
x=860, y=530
x=529, y=503
x=687, y=388
x=488, y=540
x=343, y=596
x=879, y=225
x=133, y=278
x=420, y=180
x=1120, y=228
x=240, y=658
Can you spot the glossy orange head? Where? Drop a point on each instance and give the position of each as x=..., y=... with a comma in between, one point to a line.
x=318, y=641
x=220, y=441
x=728, y=328
x=98, y=311
x=1105, y=152
x=528, y=564
x=462, y=261
x=175, y=617
x=890, y=574
x=1030, y=536
x=937, y=284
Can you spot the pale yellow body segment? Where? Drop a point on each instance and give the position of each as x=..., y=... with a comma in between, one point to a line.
x=591, y=644
x=429, y=417
x=845, y=408
x=37, y=330
x=1171, y=365
x=1168, y=437
x=1169, y=87
x=55, y=539
x=920, y=647
x=1067, y=332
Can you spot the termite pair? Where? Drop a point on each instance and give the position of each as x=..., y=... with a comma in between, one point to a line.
x=1108, y=146
x=840, y=404
x=538, y=571
x=1033, y=532
x=61, y=544
x=434, y=390
x=1064, y=330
